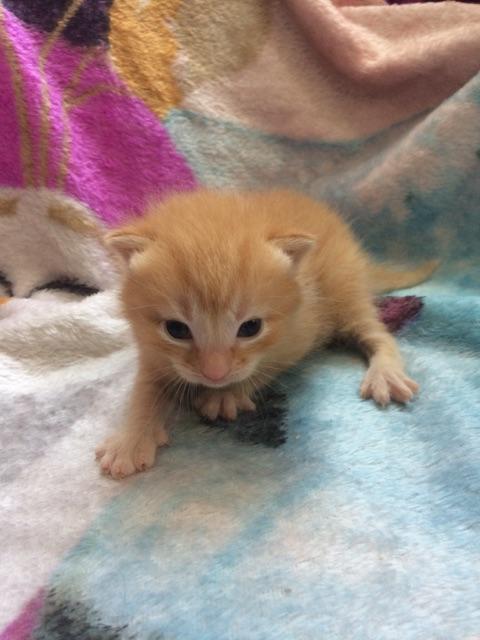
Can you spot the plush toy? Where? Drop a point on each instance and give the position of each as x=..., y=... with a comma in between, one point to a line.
x=51, y=247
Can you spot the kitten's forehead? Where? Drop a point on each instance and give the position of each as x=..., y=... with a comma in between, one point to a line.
x=218, y=283
x=214, y=330
x=212, y=313
x=223, y=273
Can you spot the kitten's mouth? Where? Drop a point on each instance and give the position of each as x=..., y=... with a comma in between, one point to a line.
x=211, y=384
x=215, y=385
x=199, y=380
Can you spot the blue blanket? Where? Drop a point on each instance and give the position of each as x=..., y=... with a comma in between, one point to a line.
x=365, y=523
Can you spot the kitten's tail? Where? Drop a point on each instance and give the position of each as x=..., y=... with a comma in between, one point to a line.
x=384, y=278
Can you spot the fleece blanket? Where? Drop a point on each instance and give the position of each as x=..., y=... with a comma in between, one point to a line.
x=321, y=516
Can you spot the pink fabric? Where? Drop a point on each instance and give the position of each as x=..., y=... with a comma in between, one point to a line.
x=383, y=45
x=22, y=627
x=119, y=153
x=11, y=172
x=347, y=69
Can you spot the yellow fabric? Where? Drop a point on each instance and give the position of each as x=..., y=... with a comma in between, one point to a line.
x=218, y=37
x=143, y=49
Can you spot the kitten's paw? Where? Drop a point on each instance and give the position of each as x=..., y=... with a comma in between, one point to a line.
x=387, y=383
x=123, y=455
x=223, y=404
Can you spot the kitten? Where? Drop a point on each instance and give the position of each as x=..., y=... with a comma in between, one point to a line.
x=224, y=291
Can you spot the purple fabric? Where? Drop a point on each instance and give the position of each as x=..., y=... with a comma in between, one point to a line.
x=22, y=627
x=117, y=151
x=396, y=312
x=88, y=26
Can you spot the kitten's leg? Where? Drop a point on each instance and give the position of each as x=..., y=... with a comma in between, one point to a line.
x=133, y=448
x=223, y=403
x=385, y=379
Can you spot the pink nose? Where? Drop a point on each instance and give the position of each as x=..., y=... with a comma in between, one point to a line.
x=215, y=366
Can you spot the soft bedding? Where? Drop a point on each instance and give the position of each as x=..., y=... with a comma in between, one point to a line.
x=322, y=516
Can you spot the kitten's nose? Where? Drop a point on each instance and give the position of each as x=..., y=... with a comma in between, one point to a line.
x=215, y=366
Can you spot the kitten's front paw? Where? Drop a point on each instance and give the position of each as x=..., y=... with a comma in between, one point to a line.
x=386, y=383
x=122, y=455
x=223, y=404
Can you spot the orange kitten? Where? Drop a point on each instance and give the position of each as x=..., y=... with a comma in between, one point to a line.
x=224, y=291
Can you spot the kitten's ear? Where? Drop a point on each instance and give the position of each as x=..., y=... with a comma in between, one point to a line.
x=295, y=246
x=127, y=242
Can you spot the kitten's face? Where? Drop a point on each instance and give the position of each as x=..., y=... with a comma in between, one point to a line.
x=210, y=306
x=213, y=329
x=214, y=349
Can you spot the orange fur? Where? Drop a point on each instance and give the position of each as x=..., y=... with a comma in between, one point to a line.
x=214, y=260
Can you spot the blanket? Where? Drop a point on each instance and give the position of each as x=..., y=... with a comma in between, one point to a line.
x=322, y=516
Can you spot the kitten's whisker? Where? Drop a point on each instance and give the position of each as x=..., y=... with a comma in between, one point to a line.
x=175, y=387
x=181, y=393
x=257, y=389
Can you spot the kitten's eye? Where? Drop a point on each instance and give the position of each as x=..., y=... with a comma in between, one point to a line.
x=249, y=328
x=178, y=330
